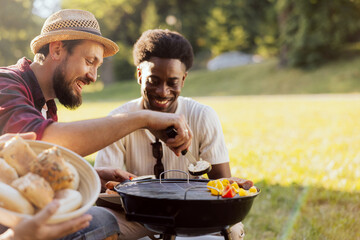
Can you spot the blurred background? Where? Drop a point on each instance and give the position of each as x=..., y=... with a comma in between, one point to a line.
x=302, y=34
x=283, y=76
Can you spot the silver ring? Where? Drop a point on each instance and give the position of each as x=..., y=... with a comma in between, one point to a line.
x=186, y=131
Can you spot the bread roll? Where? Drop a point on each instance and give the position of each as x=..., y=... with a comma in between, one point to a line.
x=35, y=189
x=18, y=154
x=75, y=174
x=69, y=199
x=11, y=199
x=2, y=144
x=52, y=166
x=7, y=173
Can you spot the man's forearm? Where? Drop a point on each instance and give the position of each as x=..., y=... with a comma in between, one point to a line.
x=88, y=136
x=221, y=170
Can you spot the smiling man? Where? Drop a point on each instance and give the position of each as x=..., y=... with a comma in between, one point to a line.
x=163, y=59
x=68, y=53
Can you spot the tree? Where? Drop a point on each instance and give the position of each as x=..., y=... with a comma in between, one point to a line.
x=149, y=17
x=315, y=31
x=241, y=25
x=17, y=30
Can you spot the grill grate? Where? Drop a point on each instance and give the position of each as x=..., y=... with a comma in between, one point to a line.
x=178, y=189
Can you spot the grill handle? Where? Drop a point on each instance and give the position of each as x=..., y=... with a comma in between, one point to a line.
x=193, y=187
x=174, y=170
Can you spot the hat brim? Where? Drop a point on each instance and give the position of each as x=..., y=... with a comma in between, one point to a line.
x=110, y=47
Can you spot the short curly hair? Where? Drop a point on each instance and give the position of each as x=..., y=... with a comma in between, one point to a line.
x=163, y=44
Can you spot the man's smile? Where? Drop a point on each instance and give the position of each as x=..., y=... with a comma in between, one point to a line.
x=161, y=102
x=80, y=83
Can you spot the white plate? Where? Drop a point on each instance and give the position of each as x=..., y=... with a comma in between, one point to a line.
x=112, y=198
x=89, y=186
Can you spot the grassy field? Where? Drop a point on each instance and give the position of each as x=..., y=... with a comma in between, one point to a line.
x=302, y=151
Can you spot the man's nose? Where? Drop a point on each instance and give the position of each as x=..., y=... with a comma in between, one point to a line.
x=163, y=90
x=92, y=74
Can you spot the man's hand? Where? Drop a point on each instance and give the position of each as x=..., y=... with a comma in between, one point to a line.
x=8, y=136
x=112, y=174
x=36, y=228
x=158, y=122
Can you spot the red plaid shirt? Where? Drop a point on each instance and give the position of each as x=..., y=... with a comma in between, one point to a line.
x=21, y=101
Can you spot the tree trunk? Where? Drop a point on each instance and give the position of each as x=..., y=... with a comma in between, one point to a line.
x=283, y=17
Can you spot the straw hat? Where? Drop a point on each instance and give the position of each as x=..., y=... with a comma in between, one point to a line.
x=71, y=24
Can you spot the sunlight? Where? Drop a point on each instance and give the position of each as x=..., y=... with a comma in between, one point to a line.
x=45, y=8
x=301, y=139
x=283, y=140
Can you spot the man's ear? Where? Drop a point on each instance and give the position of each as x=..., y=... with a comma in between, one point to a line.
x=138, y=74
x=55, y=50
x=183, y=79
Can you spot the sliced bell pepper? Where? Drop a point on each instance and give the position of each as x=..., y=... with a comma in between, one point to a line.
x=225, y=182
x=235, y=186
x=218, y=185
x=242, y=192
x=229, y=192
x=211, y=183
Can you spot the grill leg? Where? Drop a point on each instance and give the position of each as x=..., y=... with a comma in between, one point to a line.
x=226, y=233
x=169, y=237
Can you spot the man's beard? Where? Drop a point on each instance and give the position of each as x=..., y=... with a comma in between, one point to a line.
x=64, y=90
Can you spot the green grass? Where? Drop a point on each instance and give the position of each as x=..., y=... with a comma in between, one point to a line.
x=302, y=151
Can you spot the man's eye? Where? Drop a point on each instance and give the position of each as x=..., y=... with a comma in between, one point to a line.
x=89, y=62
x=173, y=83
x=151, y=80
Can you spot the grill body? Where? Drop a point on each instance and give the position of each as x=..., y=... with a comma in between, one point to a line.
x=181, y=207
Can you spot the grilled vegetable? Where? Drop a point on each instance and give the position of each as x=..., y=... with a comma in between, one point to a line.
x=229, y=192
x=216, y=184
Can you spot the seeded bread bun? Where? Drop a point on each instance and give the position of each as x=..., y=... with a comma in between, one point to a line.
x=11, y=199
x=35, y=189
x=18, y=154
x=7, y=172
x=52, y=166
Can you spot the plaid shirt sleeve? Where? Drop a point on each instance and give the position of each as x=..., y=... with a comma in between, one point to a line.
x=17, y=109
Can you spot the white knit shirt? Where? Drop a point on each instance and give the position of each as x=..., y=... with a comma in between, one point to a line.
x=133, y=153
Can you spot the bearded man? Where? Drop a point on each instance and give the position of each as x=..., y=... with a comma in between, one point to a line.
x=68, y=53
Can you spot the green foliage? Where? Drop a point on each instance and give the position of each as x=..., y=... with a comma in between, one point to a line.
x=16, y=30
x=242, y=26
x=216, y=25
x=150, y=19
x=302, y=33
x=314, y=31
x=222, y=36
